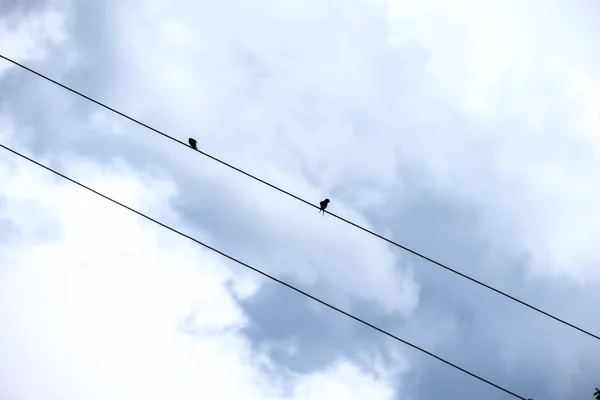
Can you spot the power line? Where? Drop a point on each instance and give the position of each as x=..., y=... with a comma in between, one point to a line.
x=424, y=257
x=261, y=272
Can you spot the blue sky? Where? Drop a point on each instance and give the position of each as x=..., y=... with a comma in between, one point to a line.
x=466, y=132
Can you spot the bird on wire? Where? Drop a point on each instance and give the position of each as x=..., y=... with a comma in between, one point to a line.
x=324, y=204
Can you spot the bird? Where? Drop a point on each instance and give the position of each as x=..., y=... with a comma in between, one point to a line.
x=193, y=143
x=324, y=204
x=597, y=394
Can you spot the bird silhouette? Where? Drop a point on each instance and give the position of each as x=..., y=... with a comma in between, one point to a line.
x=193, y=143
x=324, y=204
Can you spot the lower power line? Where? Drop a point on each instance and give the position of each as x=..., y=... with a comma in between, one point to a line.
x=264, y=274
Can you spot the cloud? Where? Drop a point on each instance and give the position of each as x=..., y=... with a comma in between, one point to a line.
x=465, y=132
x=97, y=303
x=154, y=64
x=28, y=36
x=518, y=140
x=352, y=98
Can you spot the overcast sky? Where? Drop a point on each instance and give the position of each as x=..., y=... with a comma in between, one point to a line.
x=466, y=130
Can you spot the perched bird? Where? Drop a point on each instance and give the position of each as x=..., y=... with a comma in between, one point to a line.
x=193, y=143
x=597, y=394
x=324, y=205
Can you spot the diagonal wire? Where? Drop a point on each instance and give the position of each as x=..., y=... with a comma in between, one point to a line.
x=261, y=272
x=424, y=257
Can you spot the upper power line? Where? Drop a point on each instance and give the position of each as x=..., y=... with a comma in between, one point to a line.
x=339, y=310
x=463, y=275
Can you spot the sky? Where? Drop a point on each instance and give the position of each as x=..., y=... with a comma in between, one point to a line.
x=468, y=131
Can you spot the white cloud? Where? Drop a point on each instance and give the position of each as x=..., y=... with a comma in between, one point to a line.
x=501, y=116
x=521, y=143
x=28, y=36
x=96, y=303
x=341, y=382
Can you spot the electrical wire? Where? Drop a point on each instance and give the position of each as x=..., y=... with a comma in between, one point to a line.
x=261, y=272
x=424, y=257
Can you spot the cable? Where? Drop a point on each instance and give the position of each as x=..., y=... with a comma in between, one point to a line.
x=439, y=264
x=261, y=272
